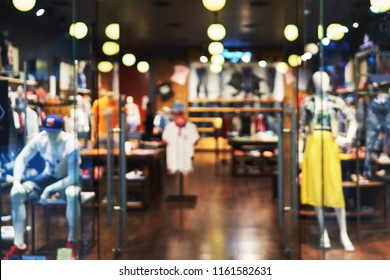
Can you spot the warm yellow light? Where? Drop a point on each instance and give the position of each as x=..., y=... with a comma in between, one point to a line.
x=203, y=59
x=215, y=48
x=24, y=5
x=291, y=32
x=110, y=48
x=294, y=60
x=112, y=31
x=216, y=32
x=105, y=66
x=311, y=48
x=217, y=59
x=78, y=30
x=335, y=32
x=320, y=32
x=128, y=59
x=282, y=67
x=214, y=5
x=381, y=5
x=143, y=67
x=215, y=68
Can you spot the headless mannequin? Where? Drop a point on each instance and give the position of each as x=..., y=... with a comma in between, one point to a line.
x=322, y=83
x=81, y=78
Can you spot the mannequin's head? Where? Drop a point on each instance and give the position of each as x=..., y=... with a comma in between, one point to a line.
x=129, y=99
x=321, y=82
x=53, y=125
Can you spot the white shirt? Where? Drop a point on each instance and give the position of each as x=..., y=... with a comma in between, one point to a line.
x=180, y=146
x=56, y=158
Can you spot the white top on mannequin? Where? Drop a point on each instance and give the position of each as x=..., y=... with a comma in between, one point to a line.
x=132, y=112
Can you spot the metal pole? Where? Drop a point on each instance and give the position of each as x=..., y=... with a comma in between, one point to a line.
x=109, y=171
x=280, y=171
x=122, y=172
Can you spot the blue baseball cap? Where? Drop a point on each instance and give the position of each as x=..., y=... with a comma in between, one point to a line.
x=178, y=107
x=53, y=123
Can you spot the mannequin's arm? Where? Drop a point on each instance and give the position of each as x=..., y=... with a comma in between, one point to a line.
x=22, y=160
x=69, y=180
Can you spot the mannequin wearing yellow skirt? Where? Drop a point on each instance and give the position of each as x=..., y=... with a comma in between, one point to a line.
x=321, y=183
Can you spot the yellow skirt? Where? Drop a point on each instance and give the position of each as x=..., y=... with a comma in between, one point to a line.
x=321, y=174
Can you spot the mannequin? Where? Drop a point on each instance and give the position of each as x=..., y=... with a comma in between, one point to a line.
x=81, y=78
x=180, y=135
x=60, y=150
x=104, y=106
x=132, y=114
x=319, y=121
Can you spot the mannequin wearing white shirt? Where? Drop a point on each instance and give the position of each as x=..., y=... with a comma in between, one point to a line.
x=132, y=114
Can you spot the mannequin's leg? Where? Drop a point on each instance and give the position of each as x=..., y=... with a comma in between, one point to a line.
x=18, y=197
x=324, y=240
x=73, y=211
x=344, y=238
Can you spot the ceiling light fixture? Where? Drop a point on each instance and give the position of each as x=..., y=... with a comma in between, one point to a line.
x=128, y=59
x=216, y=32
x=217, y=59
x=311, y=48
x=214, y=5
x=40, y=12
x=143, y=67
x=355, y=25
x=246, y=58
x=282, y=67
x=215, y=48
x=291, y=32
x=294, y=60
x=335, y=32
x=325, y=41
x=379, y=6
x=203, y=59
x=320, y=32
x=110, y=48
x=105, y=66
x=112, y=31
x=24, y=5
x=215, y=68
x=78, y=30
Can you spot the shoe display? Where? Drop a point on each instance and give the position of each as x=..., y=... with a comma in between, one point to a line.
x=72, y=246
x=15, y=251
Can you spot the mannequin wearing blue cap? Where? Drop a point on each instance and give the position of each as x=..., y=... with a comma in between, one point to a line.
x=60, y=151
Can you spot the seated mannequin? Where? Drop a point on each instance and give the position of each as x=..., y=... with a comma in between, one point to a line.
x=60, y=151
x=321, y=183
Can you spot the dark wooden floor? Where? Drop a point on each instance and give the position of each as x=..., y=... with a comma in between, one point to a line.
x=234, y=218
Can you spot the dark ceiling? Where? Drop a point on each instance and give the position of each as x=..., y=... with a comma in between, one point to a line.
x=150, y=25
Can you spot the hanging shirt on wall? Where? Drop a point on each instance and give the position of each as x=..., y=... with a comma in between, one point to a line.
x=180, y=146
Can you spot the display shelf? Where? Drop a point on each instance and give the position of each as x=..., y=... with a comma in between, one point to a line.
x=372, y=213
x=18, y=81
x=233, y=110
x=78, y=91
x=233, y=100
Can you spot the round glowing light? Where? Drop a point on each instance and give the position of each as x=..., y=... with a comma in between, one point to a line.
x=380, y=6
x=215, y=68
x=291, y=32
x=112, y=31
x=216, y=32
x=214, y=5
x=355, y=24
x=246, y=58
x=325, y=41
x=78, y=30
x=105, y=66
x=40, y=12
x=128, y=59
x=344, y=29
x=263, y=63
x=306, y=56
x=335, y=32
x=203, y=59
x=311, y=48
x=24, y=5
x=215, y=48
x=217, y=59
x=143, y=67
x=282, y=67
x=294, y=60
x=320, y=32
x=110, y=48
